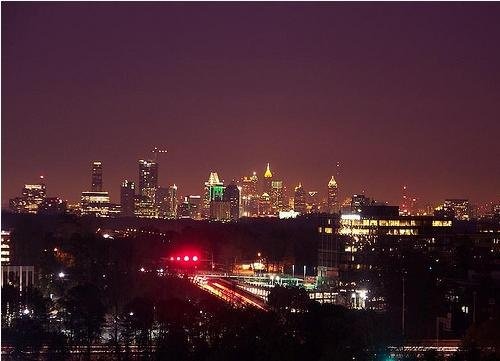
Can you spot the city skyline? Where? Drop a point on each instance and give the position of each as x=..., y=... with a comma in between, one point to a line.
x=400, y=94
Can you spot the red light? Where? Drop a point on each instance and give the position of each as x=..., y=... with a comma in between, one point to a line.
x=178, y=258
x=195, y=258
x=171, y=258
x=186, y=258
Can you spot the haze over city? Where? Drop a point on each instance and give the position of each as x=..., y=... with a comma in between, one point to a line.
x=397, y=93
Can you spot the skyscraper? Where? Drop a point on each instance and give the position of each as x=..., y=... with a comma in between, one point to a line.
x=299, y=200
x=213, y=188
x=127, y=198
x=232, y=195
x=249, y=196
x=96, y=177
x=332, y=198
x=172, y=201
x=148, y=179
x=277, y=196
x=268, y=179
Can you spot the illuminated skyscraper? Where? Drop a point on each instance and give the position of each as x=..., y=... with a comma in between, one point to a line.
x=299, y=200
x=96, y=177
x=332, y=198
x=148, y=179
x=213, y=188
x=268, y=179
x=172, y=201
x=277, y=196
x=127, y=198
x=249, y=196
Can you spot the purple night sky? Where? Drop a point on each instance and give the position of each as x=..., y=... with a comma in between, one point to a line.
x=399, y=93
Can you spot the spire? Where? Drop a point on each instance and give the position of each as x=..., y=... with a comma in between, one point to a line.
x=268, y=173
x=213, y=178
x=332, y=182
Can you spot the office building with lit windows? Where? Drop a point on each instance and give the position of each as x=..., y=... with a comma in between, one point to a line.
x=213, y=190
x=148, y=179
x=332, y=196
x=95, y=204
x=96, y=185
x=249, y=196
x=299, y=200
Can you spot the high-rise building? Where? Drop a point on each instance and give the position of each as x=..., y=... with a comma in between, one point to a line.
x=268, y=179
x=96, y=185
x=194, y=207
x=161, y=201
x=220, y=210
x=313, y=202
x=277, y=196
x=31, y=198
x=148, y=179
x=265, y=205
x=328, y=250
x=232, y=195
x=127, y=198
x=183, y=210
x=332, y=197
x=249, y=196
x=172, y=201
x=213, y=188
x=299, y=200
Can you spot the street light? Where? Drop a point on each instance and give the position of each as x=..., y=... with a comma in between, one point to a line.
x=61, y=274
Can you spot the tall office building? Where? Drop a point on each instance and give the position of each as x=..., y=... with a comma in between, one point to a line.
x=172, y=201
x=194, y=207
x=299, y=200
x=268, y=179
x=313, y=202
x=96, y=177
x=277, y=196
x=249, y=196
x=213, y=188
x=329, y=250
x=148, y=179
x=332, y=197
x=127, y=198
x=232, y=195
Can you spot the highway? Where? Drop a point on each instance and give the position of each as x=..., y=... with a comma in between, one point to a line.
x=228, y=291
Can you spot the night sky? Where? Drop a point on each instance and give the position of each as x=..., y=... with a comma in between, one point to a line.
x=400, y=93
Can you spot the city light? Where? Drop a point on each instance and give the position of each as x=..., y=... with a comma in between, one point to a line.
x=61, y=275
